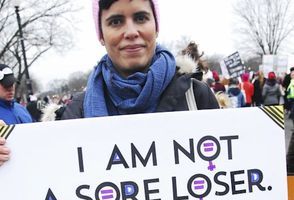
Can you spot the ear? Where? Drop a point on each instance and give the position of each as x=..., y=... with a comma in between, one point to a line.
x=102, y=42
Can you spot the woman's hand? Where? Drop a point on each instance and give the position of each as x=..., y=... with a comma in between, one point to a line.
x=4, y=151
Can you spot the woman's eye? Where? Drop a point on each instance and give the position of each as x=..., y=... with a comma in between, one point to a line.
x=141, y=18
x=115, y=22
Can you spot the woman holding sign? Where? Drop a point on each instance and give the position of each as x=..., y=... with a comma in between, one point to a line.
x=137, y=75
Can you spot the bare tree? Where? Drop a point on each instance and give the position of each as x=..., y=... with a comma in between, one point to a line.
x=186, y=45
x=253, y=63
x=264, y=25
x=176, y=46
x=22, y=89
x=58, y=86
x=45, y=25
x=213, y=62
x=77, y=81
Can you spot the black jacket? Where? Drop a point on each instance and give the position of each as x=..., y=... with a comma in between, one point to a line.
x=173, y=98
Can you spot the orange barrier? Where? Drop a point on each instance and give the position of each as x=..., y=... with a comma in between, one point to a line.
x=290, y=187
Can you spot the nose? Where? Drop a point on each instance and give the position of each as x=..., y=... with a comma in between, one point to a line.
x=131, y=30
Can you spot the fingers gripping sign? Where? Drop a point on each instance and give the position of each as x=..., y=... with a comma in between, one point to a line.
x=4, y=151
x=2, y=123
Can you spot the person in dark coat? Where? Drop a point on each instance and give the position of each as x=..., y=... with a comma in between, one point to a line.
x=258, y=83
x=136, y=75
x=134, y=59
x=290, y=98
x=35, y=106
x=285, y=84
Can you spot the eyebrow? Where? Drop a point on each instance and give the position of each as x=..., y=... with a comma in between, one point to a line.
x=142, y=12
x=115, y=16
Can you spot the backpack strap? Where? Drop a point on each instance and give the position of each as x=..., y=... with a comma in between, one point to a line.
x=190, y=97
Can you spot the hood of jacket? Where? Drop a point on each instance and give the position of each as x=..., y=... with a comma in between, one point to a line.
x=235, y=91
x=6, y=104
x=186, y=65
x=271, y=82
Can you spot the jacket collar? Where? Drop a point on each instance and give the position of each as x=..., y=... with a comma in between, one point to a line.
x=8, y=104
x=174, y=93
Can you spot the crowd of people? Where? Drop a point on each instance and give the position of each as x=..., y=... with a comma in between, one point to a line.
x=244, y=91
x=137, y=75
x=251, y=89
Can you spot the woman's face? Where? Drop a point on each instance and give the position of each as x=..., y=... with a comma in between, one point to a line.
x=129, y=35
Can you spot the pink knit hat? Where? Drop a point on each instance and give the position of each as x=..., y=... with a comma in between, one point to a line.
x=271, y=75
x=96, y=15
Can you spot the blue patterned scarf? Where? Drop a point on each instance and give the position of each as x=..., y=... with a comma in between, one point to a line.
x=108, y=93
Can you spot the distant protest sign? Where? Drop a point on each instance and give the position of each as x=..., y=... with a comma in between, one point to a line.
x=274, y=63
x=212, y=154
x=232, y=66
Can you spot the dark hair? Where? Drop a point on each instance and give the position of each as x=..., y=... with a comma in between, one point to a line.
x=233, y=81
x=105, y=5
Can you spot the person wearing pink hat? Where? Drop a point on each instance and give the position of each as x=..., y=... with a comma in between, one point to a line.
x=136, y=75
x=258, y=83
x=271, y=91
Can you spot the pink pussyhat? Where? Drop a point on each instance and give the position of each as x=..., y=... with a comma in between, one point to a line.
x=96, y=11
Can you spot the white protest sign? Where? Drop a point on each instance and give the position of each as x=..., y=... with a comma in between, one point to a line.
x=212, y=154
x=275, y=63
x=282, y=65
x=224, y=69
x=232, y=65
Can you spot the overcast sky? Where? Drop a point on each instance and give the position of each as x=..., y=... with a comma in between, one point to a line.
x=208, y=22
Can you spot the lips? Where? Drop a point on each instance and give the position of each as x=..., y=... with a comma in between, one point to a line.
x=9, y=97
x=11, y=94
x=133, y=48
